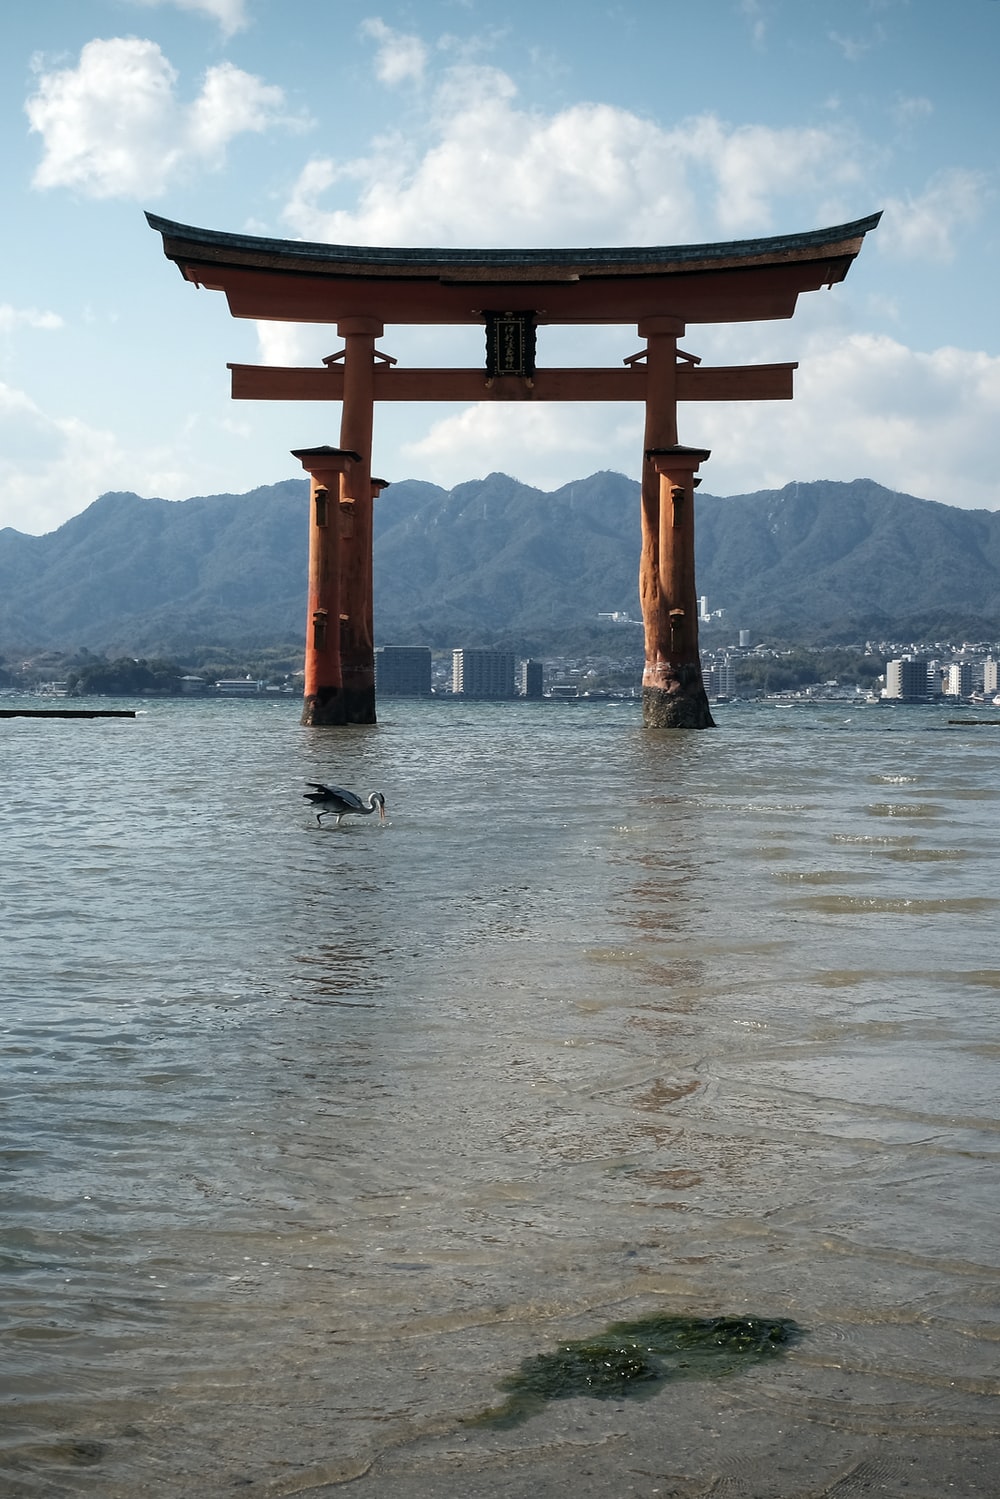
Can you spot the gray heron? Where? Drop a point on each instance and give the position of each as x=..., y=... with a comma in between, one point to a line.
x=343, y=803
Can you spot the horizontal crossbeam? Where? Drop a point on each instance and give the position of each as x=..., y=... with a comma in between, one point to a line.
x=755, y=382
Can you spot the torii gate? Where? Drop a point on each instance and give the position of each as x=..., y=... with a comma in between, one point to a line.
x=512, y=293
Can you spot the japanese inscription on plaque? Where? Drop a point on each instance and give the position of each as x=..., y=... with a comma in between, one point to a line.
x=510, y=344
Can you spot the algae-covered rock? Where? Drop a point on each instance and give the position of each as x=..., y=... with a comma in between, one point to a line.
x=636, y=1358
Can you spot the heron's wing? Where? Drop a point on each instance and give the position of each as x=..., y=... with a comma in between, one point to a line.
x=348, y=798
x=338, y=793
x=319, y=793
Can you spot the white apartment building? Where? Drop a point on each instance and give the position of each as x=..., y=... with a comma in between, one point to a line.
x=906, y=679
x=956, y=679
x=720, y=678
x=482, y=673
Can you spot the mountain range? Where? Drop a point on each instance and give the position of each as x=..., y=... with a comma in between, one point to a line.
x=496, y=562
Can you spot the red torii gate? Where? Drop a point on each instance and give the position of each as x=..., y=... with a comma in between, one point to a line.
x=512, y=293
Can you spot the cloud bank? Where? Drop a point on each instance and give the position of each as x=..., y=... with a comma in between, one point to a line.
x=114, y=126
x=487, y=170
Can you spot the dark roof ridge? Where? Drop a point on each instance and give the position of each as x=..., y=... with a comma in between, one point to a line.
x=594, y=255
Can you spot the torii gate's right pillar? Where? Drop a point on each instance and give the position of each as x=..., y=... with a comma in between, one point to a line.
x=673, y=692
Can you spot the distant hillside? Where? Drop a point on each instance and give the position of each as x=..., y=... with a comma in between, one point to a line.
x=495, y=561
x=138, y=576
x=842, y=560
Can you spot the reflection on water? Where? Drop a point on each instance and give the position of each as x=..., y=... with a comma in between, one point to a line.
x=313, y=1134
x=336, y=969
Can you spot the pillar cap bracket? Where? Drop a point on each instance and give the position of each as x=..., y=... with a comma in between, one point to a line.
x=678, y=451
x=337, y=459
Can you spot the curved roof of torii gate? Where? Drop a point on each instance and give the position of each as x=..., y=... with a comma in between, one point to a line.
x=298, y=282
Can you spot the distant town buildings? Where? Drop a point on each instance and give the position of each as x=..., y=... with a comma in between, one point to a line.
x=906, y=680
x=403, y=670
x=482, y=674
x=937, y=671
x=531, y=679
x=720, y=678
x=914, y=679
x=956, y=679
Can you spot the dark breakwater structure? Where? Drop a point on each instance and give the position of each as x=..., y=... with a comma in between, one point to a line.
x=511, y=294
x=67, y=712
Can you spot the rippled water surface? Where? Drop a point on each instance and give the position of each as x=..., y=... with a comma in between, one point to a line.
x=311, y=1136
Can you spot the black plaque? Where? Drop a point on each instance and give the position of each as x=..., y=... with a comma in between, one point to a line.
x=510, y=344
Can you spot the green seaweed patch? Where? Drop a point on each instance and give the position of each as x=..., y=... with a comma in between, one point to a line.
x=634, y=1359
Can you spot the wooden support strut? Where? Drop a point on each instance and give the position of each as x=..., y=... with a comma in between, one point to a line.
x=755, y=382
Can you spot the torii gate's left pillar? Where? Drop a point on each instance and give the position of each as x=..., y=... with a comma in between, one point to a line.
x=340, y=648
x=324, y=700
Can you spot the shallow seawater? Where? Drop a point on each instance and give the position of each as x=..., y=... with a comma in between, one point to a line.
x=312, y=1136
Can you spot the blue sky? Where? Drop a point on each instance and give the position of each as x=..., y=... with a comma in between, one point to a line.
x=468, y=122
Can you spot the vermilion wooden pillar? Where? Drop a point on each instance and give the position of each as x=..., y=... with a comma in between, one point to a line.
x=323, y=700
x=339, y=683
x=673, y=692
x=357, y=609
x=357, y=642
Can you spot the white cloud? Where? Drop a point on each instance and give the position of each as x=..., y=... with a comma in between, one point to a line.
x=51, y=467
x=26, y=317
x=854, y=48
x=923, y=423
x=531, y=443
x=753, y=11
x=752, y=165
x=47, y=463
x=114, y=127
x=908, y=111
x=231, y=103
x=400, y=55
x=924, y=227
x=491, y=172
x=866, y=406
x=230, y=14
